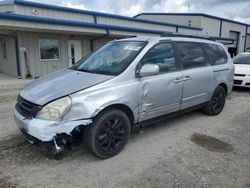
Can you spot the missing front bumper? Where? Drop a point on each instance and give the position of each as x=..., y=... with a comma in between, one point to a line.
x=47, y=131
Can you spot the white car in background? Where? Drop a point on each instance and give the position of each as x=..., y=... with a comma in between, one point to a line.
x=242, y=70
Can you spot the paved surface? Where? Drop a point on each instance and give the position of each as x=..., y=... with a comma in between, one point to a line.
x=181, y=152
x=6, y=79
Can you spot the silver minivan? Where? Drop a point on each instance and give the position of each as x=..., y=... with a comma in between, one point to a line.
x=124, y=85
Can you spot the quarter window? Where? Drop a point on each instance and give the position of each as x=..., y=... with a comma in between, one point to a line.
x=192, y=55
x=216, y=54
x=163, y=55
x=49, y=49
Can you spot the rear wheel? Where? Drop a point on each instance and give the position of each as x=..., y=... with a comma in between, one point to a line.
x=217, y=102
x=109, y=133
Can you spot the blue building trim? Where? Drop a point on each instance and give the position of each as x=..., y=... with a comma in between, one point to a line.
x=66, y=9
x=192, y=14
x=18, y=17
x=95, y=19
x=221, y=22
x=177, y=29
x=245, y=44
x=17, y=58
x=108, y=28
x=223, y=38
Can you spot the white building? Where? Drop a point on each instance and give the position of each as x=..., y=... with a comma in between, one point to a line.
x=211, y=25
x=39, y=39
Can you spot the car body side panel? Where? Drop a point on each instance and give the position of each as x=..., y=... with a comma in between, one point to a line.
x=198, y=85
x=88, y=103
x=224, y=74
x=159, y=95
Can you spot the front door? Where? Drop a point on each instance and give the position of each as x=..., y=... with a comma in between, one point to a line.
x=197, y=74
x=160, y=94
x=74, y=51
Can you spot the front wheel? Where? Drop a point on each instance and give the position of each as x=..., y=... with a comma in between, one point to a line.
x=109, y=133
x=217, y=102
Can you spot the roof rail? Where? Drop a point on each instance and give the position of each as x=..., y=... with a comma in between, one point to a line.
x=170, y=34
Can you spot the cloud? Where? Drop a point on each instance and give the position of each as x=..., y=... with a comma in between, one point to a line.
x=73, y=5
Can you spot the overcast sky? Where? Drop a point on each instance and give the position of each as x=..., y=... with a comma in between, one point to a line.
x=233, y=9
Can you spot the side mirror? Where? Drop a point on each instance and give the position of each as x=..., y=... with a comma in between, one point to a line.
x=149, y=70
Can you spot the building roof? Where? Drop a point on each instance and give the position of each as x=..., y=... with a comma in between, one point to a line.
x=94, y=13
x=19, y=17
x=192, y=14
x=36, y=19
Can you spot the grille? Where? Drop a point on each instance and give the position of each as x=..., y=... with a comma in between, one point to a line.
x=248, y=84
x=27, y=108
x=238, y=82
x=241, y=75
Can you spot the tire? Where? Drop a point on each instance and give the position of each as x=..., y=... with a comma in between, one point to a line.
x=109, y=133
x=216, y=103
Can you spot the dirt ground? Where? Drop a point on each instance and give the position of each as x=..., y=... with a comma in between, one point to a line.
x=192, y=150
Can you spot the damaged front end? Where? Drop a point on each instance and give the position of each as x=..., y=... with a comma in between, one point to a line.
x=47, y=125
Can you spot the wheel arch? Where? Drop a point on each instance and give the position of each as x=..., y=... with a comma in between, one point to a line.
x=127, y=110
x=224, y=86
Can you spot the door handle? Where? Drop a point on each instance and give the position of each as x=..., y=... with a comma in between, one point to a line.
x=178, y=80
x=186, y=78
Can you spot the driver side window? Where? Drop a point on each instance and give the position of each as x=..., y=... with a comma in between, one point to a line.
x=163, y=55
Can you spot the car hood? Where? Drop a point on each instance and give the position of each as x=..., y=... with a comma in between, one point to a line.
x=242, y=69
x=59, y=84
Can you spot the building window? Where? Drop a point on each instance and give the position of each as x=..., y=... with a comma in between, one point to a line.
x=4, y=50
x=49, y=49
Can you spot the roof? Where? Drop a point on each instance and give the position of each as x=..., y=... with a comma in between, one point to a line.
x=177, y=38
x=35, y=19
x=192, y=14
x=94, y=13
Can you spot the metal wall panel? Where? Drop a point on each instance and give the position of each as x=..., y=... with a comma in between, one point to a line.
x=7, y=8
x=39, y=67
x=133, y=24
x=175, y=19
x=188, y=31
x=32, y=26
x=210, y=26
x=241, y=29
x=8, y=64
x=47, y=13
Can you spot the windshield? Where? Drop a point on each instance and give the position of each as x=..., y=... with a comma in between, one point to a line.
x=242, y=59
x=111, y=59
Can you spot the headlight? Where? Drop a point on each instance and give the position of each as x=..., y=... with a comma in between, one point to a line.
x=55, y=110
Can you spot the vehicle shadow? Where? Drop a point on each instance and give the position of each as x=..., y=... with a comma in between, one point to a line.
x=241, y=89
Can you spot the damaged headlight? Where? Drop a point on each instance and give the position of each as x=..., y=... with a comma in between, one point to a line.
x=55, y=110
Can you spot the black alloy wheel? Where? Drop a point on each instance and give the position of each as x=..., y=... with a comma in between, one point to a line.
x=109, y=133
x=217, y=102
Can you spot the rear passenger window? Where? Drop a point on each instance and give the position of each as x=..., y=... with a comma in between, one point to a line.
x=163, y=55
x=216, y=54
x=192, y=55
